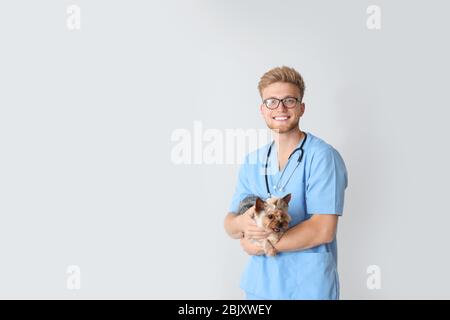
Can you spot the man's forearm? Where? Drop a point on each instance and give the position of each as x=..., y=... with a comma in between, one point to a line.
x=305, y=235
x=232, y=226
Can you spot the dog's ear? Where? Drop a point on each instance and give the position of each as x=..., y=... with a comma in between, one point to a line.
x=259, y=205
x=287, y=198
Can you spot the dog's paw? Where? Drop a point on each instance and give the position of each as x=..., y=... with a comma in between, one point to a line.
x=271, y=252
x=269, y=249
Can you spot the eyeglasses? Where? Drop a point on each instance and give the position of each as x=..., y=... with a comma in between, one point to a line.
x=288, y=102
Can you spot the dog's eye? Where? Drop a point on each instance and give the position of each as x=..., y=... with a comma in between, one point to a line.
x=270, y=216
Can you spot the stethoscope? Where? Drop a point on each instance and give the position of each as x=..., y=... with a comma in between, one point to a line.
x=278, y=186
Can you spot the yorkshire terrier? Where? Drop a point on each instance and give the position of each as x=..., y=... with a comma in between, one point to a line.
x=272, y=215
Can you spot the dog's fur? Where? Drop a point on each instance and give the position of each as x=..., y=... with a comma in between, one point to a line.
x=272, y=215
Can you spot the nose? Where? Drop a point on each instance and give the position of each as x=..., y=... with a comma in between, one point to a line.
x=282, y=106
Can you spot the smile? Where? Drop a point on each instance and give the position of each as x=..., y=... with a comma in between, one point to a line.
x=281, y=118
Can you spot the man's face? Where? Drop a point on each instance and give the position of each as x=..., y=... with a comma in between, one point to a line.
x=282, y=119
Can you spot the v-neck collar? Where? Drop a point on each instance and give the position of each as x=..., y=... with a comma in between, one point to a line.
x=273, y=165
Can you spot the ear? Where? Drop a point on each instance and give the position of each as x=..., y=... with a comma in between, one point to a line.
x=287, y=198
x=261, y=107
x=259, y=205
x=302, y=109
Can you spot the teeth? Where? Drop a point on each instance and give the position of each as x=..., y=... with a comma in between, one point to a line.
x=281, y=118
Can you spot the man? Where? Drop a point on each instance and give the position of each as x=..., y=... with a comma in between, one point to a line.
x=302, y=164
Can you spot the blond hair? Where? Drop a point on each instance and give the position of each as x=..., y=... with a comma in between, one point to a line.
x=282, y=74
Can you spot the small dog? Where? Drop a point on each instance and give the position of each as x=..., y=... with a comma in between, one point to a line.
x=271, y=215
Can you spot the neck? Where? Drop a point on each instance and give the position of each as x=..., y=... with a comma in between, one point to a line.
x=287, y=141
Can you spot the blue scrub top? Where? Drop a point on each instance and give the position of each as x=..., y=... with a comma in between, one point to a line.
x=317, y=187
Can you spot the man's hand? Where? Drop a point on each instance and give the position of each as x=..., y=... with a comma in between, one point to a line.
x=249, y=228
x=251, y=248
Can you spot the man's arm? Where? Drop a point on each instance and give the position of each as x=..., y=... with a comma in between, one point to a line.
x=233, y=226
x=319, y=229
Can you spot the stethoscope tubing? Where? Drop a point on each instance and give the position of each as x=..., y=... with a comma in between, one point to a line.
x=292, y=153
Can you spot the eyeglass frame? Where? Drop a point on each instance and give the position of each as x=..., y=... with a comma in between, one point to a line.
x=282, y=101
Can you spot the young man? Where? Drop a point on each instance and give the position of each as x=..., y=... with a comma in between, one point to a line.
x=314, y=173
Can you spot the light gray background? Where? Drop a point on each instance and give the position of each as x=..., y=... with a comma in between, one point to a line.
x=86, y=119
